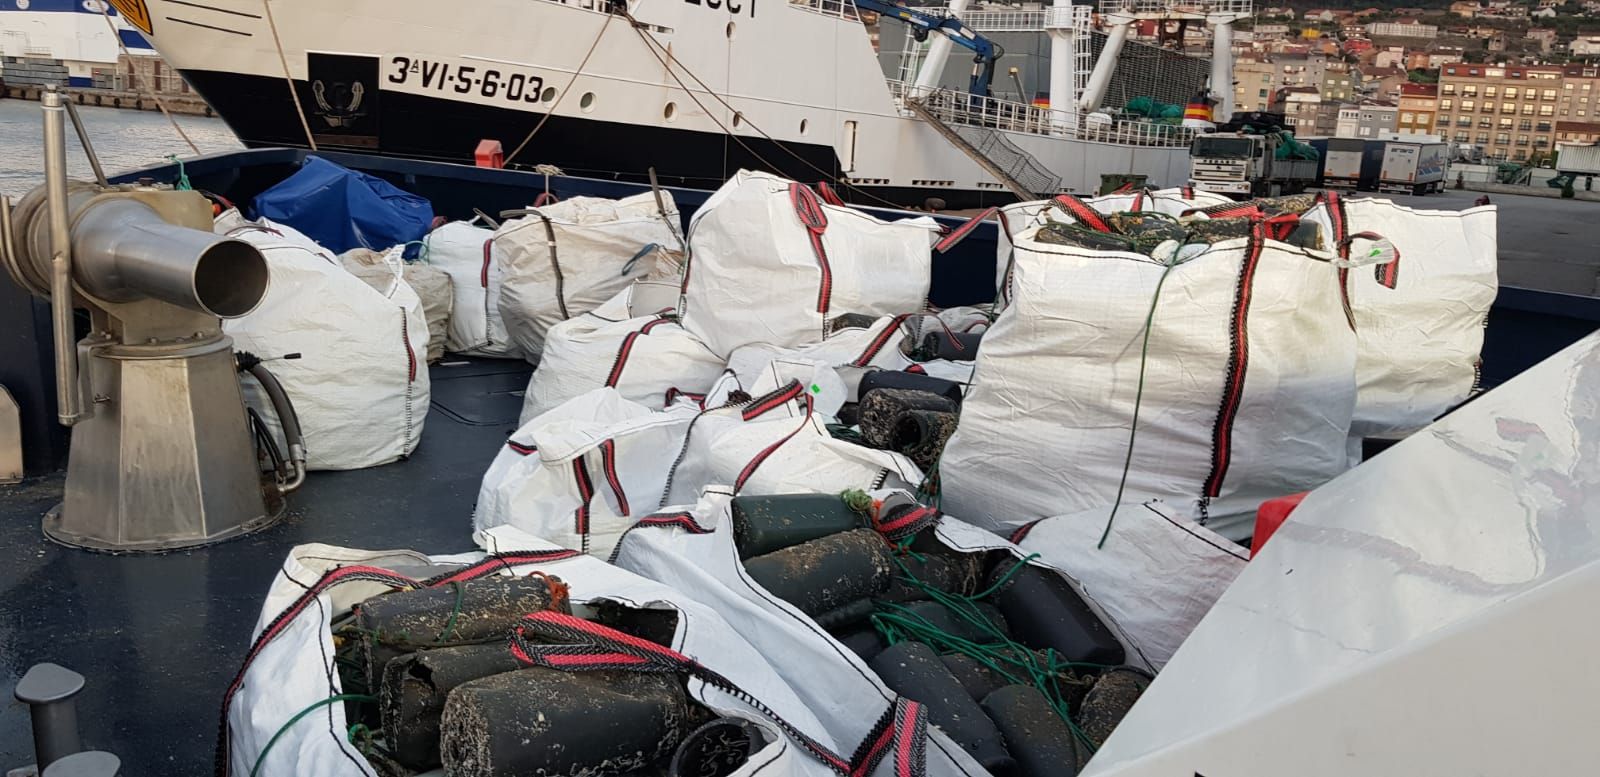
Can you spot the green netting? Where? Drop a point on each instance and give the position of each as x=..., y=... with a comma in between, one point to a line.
x=1148, y=107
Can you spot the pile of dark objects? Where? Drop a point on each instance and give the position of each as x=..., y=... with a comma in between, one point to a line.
x=1009, y=660
x=1146, y=232
x=433, y=683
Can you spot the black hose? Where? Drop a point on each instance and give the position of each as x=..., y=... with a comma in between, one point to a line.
x=287, y=418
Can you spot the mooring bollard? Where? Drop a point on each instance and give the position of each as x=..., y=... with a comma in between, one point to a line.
x=92, y=763
x=48, y=690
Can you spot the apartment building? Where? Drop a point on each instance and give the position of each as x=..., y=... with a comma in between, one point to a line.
x=1307, y=114
x=1509, y=111
x=1340, y=83
x=1366, y=120
x=1253, y=84
x=1419, y=107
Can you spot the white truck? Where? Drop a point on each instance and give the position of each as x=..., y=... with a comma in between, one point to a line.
x=1345, y=164
x=1244, y=166
x=1413, y=168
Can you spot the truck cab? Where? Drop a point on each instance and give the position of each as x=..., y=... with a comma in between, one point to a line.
x=1247, y=165
x=1226, y=163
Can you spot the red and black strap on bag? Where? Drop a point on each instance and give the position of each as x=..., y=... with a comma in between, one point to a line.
x=815, y=220
x=793, y=391
x=829, y=195
x=1387, y=274
x=876, y=346
x=898, y=525
x=1238, y=362
x=337, y=576
x=960, y=233
x=571, y=644
x=1081, y=212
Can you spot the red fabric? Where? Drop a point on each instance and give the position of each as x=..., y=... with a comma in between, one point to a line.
x=1271, y=515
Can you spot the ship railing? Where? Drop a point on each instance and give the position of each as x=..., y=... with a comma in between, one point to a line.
x=1193, y=9
x=964, y=109
x=1004, y=21
x=843, y=9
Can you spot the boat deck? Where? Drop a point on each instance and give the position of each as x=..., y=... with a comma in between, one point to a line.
x=158, y=637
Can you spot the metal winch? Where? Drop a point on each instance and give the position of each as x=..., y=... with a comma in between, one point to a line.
x=163, y=455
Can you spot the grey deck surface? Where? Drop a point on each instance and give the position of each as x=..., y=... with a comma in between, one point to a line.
x=159, y=637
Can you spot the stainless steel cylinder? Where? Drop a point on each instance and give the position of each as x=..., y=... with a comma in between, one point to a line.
x=125, y=251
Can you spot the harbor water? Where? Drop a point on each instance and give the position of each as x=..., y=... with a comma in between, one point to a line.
x=124, y=139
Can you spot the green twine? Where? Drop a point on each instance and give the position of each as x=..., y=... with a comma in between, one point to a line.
x=1138, y=398
x=262, y=758
x=455, y=612
x=361, y=731
x=857, y=500
x=422, y=252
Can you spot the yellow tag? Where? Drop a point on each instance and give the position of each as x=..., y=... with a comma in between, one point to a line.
x=135, y=12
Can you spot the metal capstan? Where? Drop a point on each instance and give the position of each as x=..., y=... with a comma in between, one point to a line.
x=162, y=452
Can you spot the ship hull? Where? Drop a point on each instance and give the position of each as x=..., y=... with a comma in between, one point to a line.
x=694, y=95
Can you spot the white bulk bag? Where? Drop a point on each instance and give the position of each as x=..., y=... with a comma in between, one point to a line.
x=466, y=253
x=1156, y=575
x=691, y=549
x=289, y=667
x=1419, y=322
x=565, y=259
x=431, y=284
x=771, y=263
x=632, y=343
x=577, y=475
x=360, y=386
x=580, y=474
x=832, y=368
x=776, y=443
x=1249, y=385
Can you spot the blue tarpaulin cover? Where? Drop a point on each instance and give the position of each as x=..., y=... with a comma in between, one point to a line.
x=343, y=209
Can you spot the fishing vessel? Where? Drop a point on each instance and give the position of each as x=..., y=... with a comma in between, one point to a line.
x=696, y=88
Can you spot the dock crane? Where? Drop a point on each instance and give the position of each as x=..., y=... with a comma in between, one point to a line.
x=986, y=52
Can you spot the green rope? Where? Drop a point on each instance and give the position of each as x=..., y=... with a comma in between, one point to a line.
x=1012, y=660
x=1006, y=578
x=262, y=758
x=857, y=500
x=183, y=177
x=365, y=735
x=422, y=253
x=1138, y=398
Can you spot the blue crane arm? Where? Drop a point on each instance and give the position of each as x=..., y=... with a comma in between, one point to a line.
x=950, y=26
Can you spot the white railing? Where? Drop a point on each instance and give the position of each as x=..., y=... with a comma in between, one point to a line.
x=963, y=109
x=1004, y=21
x=843, y=9
x=1175, y=8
